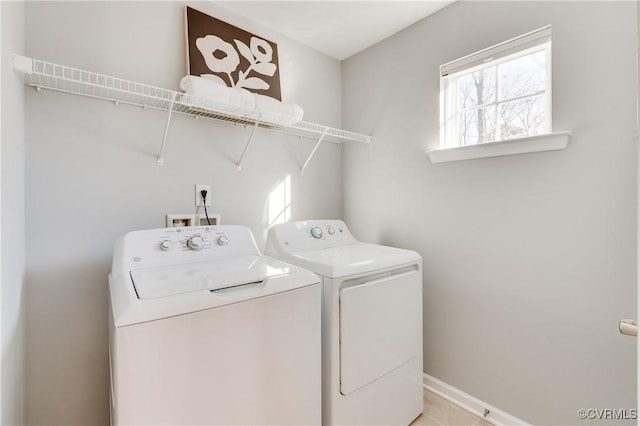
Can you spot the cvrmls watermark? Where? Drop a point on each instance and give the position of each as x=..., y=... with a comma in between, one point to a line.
x=607, y=414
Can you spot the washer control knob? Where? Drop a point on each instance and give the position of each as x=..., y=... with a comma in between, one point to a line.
x=316, y=232
x=195, y=243
x=223, y=240
x=331, y=231
x=165, y=245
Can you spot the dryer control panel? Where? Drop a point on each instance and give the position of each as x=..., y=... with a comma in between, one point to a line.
x=308, y=235
x=167, y=246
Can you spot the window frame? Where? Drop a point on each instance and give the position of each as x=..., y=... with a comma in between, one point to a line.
x=496, y=55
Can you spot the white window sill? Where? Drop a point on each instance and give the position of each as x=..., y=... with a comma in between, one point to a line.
x=547, y=142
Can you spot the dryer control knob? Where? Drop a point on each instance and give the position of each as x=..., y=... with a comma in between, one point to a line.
x=223, y=240
x=331, y=231
x=165, y=245
x=195, y=243
x=316, y=232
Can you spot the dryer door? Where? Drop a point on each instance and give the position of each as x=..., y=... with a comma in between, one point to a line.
x=380, y=326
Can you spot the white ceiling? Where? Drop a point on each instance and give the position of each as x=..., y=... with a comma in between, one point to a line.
x=336, y=28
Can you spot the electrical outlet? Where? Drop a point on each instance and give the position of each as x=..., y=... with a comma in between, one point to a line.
x=199, y=196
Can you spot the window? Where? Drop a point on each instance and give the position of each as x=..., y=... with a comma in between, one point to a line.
x=500, y=93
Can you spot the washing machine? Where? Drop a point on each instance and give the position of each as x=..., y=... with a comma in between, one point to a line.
x=372, y=321
x=206, y=330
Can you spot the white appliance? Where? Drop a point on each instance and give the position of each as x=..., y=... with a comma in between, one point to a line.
x=205, y=330
x=372, y=321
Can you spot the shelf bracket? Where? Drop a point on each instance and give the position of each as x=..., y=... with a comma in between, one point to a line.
x=313, y=151
x=246, y=147
x=160, y=159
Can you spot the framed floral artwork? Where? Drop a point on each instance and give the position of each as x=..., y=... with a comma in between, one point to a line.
x=230, y=55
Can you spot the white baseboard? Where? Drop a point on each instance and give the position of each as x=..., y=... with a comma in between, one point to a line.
x=473, y=405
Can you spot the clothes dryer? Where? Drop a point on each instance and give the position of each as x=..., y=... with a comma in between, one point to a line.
x=372, y=321
x=205, y=330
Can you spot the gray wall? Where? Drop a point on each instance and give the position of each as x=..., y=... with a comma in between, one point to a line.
x=13, y=221
x=529, y=260
x=91, y=176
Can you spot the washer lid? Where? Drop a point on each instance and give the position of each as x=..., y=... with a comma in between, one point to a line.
x=351, y=259
x=212, y=275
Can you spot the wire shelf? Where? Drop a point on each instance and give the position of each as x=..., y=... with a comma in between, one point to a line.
x=61, y=78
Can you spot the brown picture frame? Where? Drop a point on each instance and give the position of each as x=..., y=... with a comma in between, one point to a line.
x=230, y=55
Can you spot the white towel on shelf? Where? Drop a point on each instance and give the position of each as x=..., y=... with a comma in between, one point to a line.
x=207, y=89
x=204, y=88
x=241, y=98
x=273, y=110
x=215, y=96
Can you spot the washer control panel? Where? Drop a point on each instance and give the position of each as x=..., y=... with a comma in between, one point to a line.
x=164, y=246
x=194, y=238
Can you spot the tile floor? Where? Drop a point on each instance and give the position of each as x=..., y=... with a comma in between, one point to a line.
x=439, y=411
